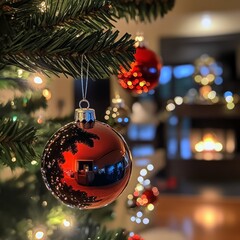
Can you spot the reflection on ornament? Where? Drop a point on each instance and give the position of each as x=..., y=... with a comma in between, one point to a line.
x=117, y=115
x=86, y=163
x=144, y=73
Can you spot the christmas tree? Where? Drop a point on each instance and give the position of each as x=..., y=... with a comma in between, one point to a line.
x=53, y=37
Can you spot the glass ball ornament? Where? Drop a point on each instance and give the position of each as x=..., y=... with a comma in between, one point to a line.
x=135, y=237
x=118, y=115
x=144, y=73
x=149, y=195
x=86, y=163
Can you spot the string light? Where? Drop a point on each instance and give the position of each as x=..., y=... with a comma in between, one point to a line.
x=44, y=203
x=34, y=162
x=150, y=167
x=20, y=73
x=39, y=235
x=170, y=107
x=37, y=80
x=47, y=94
x=178, y=100
x=143, y=172
x=42, y=7
x=66, y=223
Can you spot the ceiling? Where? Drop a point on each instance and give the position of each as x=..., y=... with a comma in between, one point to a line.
x=191, y=6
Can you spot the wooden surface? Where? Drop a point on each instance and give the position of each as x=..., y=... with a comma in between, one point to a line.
x=199, y=218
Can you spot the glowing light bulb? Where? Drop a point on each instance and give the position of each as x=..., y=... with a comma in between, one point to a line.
x=39, y=235
x=38, y=80
x=143, y=172
x=206, y=21
x=66, y=223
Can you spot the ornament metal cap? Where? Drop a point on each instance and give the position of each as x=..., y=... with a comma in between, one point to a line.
x=85, y=117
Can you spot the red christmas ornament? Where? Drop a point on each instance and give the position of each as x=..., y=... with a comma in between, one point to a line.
x=86, y=163
x=148, y=196
x=135, y=237
x=144, y=73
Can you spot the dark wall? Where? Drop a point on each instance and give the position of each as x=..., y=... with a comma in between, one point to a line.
x=98, y=95
x=224, y=48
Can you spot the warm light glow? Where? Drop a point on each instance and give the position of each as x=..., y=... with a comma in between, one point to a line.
x=204, y=91
x=212, y=95
x=129, y=83
x=178, y=100
x=34, y=162
x=206, y=21
x=20, y=73
x=39, y=235
x=230, y=141
x=139, y=38
x=230, y=105
x=150, y=207
x=215, y=100
x=142, y=83
x=38, y=80
x=130, y=196
x=40, y=120
x=170, y=107
x=209, y=143
x=139, y=187
x=208, y=217
x=66, y=223
x=114, y=115
x=42, y=7
x=47, y=94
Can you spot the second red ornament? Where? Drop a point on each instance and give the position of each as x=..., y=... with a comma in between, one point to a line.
x=144, y=73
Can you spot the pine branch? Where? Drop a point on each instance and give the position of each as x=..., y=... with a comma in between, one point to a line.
x=86, y=15
x=16, y=143
x=14, y=83
x=14, y=78
x=142, y=10
x=61, y=31
x=61, y=51
x=23, y=105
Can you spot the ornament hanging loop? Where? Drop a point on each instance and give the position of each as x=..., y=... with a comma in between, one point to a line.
x=84, y=116
x=84, y=89
x=84, y=101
